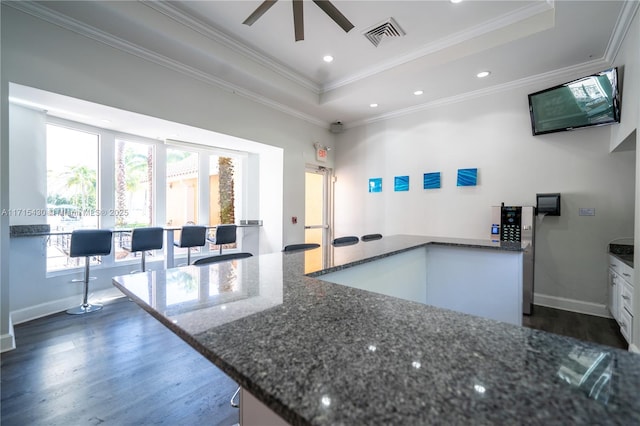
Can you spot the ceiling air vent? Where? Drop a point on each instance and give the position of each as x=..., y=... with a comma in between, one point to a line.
x=388, y=28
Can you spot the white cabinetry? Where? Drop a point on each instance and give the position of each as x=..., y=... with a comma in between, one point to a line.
x=620, y=294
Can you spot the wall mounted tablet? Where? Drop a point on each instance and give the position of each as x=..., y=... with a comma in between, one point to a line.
x=548, y=204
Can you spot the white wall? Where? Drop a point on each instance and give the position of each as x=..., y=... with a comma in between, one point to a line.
x=493, y=133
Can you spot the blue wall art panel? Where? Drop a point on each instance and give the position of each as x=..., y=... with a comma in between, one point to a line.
x=401, y=183
x=431, y=180
x=467, y=177
x=375, y=185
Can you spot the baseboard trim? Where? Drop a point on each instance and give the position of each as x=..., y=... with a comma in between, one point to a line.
x=633, y=348
x=571, y=305
x=38, y=311
x=8, y=340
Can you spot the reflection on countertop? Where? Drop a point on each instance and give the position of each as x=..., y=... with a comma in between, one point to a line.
x=321, y=353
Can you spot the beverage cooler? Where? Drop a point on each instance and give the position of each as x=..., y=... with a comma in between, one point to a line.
x=517, y=224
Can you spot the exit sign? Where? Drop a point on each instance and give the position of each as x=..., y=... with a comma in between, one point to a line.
x=321, y=154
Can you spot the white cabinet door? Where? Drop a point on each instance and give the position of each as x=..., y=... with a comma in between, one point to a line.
x=614, y=299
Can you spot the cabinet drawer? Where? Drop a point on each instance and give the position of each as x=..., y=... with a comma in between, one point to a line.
x=626, y=322
x=624, y=270
x=627, y=297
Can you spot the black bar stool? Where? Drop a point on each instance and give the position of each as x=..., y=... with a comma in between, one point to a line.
x=225, y=234
x=145, y=239
x=88, y=243
x=345, y=241
x=221, y=258
x=191, y=236
x=371, y=237
x=300, y=247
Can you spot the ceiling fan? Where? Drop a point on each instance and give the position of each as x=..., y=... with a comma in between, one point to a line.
x=298, y=23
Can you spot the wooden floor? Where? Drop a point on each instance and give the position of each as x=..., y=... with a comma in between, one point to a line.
x=120, y=366
x=604, y=331
x=117, y=366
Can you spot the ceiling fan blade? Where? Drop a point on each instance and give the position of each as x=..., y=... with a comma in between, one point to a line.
x=298, y=22
x=334, y=14
x=259, y=12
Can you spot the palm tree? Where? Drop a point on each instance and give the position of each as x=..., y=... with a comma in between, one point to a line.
x=84, y=179
x=225, y=188
x=132, y=168
x=121, y=186
x=150, y=182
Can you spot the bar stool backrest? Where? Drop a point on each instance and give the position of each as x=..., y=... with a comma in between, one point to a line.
x=300, y=247
x=193, y=236
x=225, y=234
x=221, y=258
x=90, y=242
x=345, y=241
x=150, y=238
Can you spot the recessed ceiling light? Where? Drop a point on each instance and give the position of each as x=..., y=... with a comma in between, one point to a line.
x=418, y=92
x=328, y=58
x=483, y=74
x=373, y=105
x=455, y=1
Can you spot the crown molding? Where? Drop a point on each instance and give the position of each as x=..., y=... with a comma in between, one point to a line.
x=564, y=74
x=623, y=24
x=41, y=12
x=172, y=12
x=447, y=42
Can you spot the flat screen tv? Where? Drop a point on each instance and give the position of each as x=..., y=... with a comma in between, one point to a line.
x=593, y=100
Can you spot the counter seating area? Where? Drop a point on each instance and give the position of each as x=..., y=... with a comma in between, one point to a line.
x=157, y=243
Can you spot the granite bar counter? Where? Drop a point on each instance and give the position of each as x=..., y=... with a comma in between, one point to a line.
x=318, y=353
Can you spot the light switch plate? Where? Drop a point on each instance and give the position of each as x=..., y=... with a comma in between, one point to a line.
x=587, y=211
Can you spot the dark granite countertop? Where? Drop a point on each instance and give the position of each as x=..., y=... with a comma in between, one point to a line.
x=624, y=252
x=325, y=354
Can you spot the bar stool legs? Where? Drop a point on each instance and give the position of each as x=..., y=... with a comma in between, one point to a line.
x=88, y=243
x=86, y=307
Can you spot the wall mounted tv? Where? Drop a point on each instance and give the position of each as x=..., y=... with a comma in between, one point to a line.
x=593, y=100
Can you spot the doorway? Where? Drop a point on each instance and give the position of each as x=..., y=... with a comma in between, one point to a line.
x=317, y=213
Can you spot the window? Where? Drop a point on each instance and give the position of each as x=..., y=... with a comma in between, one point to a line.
x=182, y=191
x=134, y=202
x=204, y=185
x=72, y=189
x=222, y=182
x=182, y=187
x=134, y=184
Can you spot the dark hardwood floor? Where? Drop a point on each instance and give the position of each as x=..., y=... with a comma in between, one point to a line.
x=120, y=366
x=590, y=328
x=117, y=366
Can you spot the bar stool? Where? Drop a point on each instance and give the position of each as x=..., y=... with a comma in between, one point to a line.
x=300, y=247
x=221, y=258
x=225, y=234
x=371, y=237
x=88, y=243
x=191, y=236
x=345, y=241
x=143, y=240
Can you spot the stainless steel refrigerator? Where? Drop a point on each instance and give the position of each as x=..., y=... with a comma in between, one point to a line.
x=517, y=224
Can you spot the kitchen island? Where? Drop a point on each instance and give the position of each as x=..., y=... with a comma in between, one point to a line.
x=316, y=352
